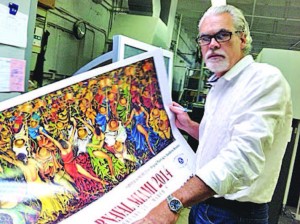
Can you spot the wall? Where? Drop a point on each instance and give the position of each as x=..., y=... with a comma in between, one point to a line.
x=65, y=54
x=150, y=30
x=28, y=8
x=288, y=62
x=147, y=27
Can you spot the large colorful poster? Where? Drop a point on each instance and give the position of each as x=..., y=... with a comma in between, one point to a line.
x=100, y=147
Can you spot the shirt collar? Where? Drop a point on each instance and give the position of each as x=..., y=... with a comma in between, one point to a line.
x=212, y=79
x=238, y=67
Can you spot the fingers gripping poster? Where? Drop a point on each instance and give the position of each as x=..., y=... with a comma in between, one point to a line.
x=100, y=147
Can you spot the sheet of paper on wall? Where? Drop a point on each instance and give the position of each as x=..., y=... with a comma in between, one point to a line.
x=99, y=147
x=13, y=28
x=12, y=75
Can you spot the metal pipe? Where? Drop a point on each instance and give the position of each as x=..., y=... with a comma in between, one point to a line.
x=275, y=25
x=294, y=45
x=200, y=81
x=60, y=27
x=178, y=36
x=179, y=66
x=107, y=3
x=61, y=16
x=57, y=47
x=286, y=9
x=274, y=18
x=253, y=12
x=274, y=34
x=77, y=18
x=255, y=16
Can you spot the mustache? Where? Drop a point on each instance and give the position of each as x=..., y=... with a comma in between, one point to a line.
x=210, y=54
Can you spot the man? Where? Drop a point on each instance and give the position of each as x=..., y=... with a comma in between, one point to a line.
x=243, y=133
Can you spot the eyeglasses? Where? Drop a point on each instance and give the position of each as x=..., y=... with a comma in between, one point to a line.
x=220, y=37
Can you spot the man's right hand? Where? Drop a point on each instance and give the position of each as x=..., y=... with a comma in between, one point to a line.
x=183, y=121
x=182, y=118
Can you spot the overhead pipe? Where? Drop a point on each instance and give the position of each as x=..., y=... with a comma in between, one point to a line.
x=111, y=6
x=287, y=3
x=176, y=44
x=274, y=34
x=76, y=18
x=262, y=17
x=294, y=45
x=253, y=12
x=274, y=18
x=178, y=36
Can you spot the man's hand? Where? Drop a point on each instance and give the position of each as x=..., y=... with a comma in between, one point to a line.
x=161, y=214
x=183, y=121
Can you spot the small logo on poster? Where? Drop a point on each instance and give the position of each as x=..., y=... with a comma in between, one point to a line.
x=180, y=160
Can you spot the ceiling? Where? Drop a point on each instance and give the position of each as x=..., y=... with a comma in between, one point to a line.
x=273, y=23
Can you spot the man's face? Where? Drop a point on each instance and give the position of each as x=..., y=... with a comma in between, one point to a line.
x=221, y=57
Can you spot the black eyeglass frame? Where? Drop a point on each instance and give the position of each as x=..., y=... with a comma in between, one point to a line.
x=215, y=36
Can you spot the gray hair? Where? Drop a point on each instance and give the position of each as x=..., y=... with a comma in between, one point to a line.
x=239, y=21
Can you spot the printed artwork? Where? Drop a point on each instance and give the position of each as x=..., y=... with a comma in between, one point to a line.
x=61, y=151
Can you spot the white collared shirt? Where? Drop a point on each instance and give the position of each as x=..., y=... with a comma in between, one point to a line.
x=244, y=132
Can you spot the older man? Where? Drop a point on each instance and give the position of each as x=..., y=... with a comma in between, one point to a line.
x=243, y=133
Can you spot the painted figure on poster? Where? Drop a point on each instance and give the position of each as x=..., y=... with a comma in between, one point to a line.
x=94, y=149
x=140, y=129
x=50, y=167
x=67, y=154
x=21, y=144
x=122, y=108
x=51, y=207
x=115, y=141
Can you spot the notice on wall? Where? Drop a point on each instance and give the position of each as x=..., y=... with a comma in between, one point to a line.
x=13, y=27
x=99, y=147
x=37, y=37
x=12, y=75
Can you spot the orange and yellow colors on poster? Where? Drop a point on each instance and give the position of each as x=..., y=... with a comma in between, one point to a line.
x=63, y=150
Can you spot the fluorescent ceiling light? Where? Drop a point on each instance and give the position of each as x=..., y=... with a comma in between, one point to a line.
x=218, y=2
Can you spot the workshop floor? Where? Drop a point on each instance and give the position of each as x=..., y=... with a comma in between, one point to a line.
x=183, y=219
x=288, y=217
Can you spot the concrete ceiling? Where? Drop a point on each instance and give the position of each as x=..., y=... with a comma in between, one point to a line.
x=273, y=23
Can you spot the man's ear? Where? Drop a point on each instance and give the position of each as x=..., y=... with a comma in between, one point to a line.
x=243, y=40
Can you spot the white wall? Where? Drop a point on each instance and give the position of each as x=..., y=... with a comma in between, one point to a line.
x=288, y=62
x=149, y=29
